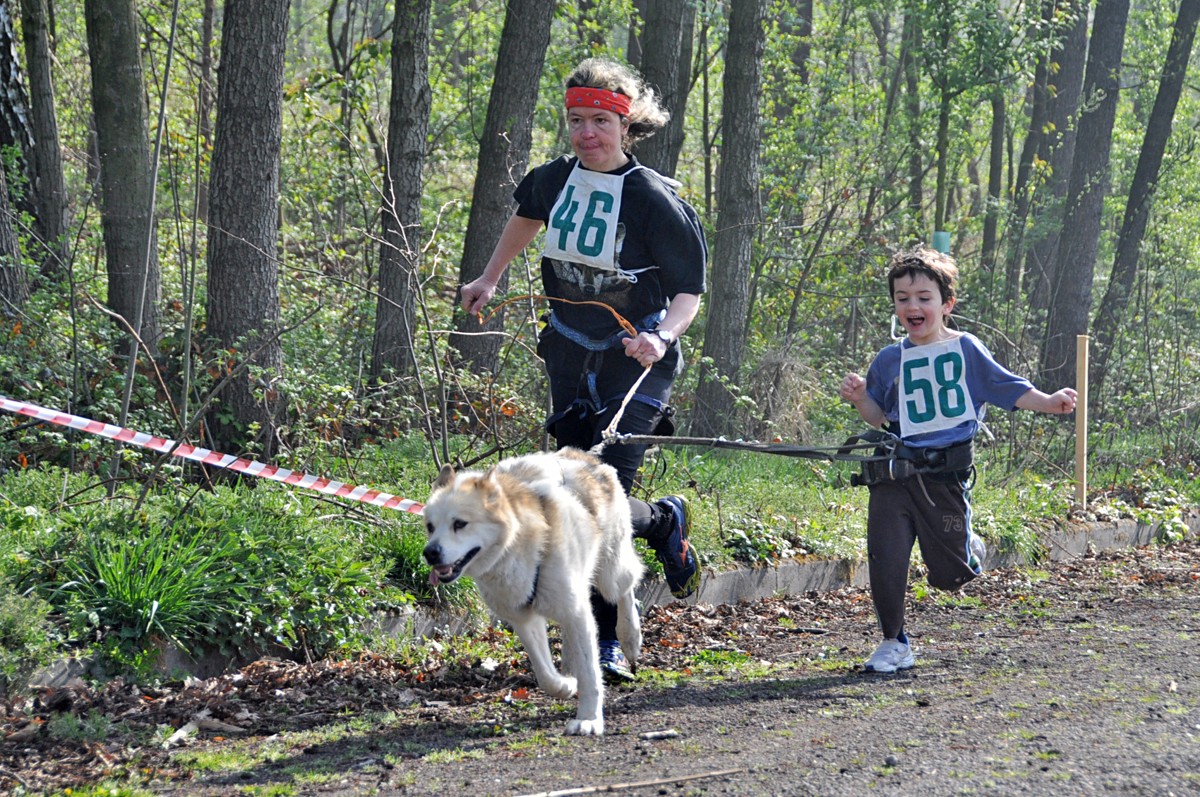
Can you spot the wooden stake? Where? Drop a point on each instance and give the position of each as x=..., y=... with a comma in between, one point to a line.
x=1081, y=420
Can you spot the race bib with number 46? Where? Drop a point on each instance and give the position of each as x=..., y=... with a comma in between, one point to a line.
x=583, y=222
x=933, y=388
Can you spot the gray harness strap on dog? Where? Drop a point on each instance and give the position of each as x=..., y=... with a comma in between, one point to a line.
x=898, y=461
x=533, y=590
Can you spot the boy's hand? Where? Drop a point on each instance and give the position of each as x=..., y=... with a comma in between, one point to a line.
x=1059, y=403
x=854, y=388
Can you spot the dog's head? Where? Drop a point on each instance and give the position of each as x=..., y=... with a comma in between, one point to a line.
x=467, y=523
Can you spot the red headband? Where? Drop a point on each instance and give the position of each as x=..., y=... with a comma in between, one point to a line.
x=582, y=97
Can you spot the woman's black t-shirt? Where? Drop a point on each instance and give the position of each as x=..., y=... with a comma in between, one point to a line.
x=656, y=230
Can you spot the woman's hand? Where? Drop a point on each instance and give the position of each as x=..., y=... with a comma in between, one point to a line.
x=647, y=348
x=476, y=294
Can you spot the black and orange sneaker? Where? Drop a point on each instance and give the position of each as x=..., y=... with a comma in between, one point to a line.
x=678, y=560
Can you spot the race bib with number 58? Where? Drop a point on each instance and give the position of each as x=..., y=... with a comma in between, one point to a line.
x=933, y=388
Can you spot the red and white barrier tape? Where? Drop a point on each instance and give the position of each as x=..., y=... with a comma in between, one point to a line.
x=213, y=458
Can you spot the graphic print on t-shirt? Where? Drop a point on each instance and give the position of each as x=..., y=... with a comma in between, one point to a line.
x=933, y=388
x=591, y=282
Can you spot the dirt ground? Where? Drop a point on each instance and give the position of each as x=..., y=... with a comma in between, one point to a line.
x=1080, y=678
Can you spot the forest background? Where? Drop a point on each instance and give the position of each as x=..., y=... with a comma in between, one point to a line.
x=243, y=225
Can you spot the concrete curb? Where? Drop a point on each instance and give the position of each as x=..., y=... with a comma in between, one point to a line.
x=729, y=586
x=814, y=574
x=796, y=577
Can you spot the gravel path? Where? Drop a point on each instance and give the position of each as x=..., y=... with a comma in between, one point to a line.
x=1079, y=678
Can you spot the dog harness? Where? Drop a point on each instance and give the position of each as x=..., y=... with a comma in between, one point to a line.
x=533, y=589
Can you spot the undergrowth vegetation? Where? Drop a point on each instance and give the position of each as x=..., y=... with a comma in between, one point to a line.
x=123, y=570
x=170, y=556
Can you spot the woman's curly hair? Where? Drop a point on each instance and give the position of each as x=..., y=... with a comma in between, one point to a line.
x=646, y=114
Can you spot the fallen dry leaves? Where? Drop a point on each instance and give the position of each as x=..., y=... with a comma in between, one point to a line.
x=272, y=696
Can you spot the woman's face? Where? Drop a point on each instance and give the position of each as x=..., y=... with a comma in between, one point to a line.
x=596, y=136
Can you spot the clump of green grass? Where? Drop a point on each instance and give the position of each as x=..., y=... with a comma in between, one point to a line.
x=142, y=582
x=28, y=639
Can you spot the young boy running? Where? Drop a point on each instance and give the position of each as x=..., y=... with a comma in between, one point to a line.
x=930, y=390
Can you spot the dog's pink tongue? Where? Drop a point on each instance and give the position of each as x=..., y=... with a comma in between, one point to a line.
x=440, y=572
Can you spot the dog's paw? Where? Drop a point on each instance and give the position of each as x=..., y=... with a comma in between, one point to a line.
x=578, y=727
x=563, y=688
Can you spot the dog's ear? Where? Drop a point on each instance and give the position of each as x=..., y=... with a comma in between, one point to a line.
x=489, y=487
x=445, y=476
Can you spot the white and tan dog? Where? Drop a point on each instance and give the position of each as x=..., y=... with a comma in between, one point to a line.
x=537, y=532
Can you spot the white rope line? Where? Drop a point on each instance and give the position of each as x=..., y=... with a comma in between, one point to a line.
x=611, y=431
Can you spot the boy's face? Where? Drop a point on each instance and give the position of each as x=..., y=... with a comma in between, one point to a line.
x=918, y=303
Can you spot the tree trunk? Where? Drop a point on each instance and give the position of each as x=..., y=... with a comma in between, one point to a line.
x=881, y=25
x=1058, y=149
x=941, y=181
x=15, y=132
x=912, y=105
x=243, y=289
x=1071, y=290
x=995, y=186
x=662, y=61
x=738, y=206
x=1141, y=190
x=795, y=22
x=637, y=29
x=1035, y=132
x=204, y=101
x=14, y=283
x=408, y=128
x=123, y=142
x=675, y=131
x=49, y=187
x=503, y=159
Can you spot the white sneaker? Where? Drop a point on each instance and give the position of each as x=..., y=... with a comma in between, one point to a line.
x=978, y=551
x=891, y=655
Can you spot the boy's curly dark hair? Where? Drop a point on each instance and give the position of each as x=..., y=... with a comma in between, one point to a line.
x=931, y=263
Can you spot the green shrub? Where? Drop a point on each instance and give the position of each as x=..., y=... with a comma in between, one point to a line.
x=238, y=569
x=28, y=640
x=297, y=587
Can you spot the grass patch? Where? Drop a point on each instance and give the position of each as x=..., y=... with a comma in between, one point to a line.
x=263, y=568
x=453, y=756
x=957, y=600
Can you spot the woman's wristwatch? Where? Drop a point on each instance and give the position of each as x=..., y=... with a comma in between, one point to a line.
x=665, y=336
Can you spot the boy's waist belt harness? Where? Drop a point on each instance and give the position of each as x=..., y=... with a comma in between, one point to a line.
x=899, y=461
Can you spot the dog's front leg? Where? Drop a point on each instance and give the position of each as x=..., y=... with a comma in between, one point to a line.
x=581, y=655
x=532, y=631
x=629, y=628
